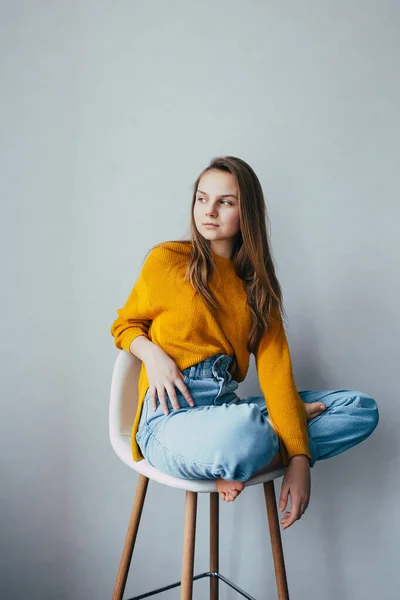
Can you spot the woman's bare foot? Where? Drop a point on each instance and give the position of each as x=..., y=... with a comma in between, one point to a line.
x=313, y=409
x=228, y=490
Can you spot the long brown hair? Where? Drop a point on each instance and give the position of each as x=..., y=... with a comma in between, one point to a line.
x=252, y=255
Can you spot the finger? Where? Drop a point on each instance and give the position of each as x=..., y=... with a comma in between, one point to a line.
x=287, y=522
x=153, y=398
x=172, y=395
x=163, y=402
x=180, y=384
x=293, y=515
x=283, y=500
x=284, y=521
x=290, y=519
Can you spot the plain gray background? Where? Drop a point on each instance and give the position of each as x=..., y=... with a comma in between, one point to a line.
x=109, y=112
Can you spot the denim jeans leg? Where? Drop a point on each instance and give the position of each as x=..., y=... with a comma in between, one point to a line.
x=349, y=418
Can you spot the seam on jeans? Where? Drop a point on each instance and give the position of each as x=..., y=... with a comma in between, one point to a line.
x=198, y=462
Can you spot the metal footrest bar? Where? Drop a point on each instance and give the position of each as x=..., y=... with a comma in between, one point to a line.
x=206, y=574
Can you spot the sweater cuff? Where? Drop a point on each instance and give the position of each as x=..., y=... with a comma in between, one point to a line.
x=129, y=335
x=296, y=446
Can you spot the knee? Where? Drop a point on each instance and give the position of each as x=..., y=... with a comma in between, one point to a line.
x=370, y=412
x=375, y=413
x=247, y=425
x=249, y=439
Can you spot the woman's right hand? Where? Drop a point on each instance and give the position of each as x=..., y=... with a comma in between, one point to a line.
x=163, y=375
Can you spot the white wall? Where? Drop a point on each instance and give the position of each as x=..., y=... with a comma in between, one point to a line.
x=109, y=112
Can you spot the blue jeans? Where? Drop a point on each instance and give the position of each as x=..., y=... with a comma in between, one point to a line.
x=224, y=436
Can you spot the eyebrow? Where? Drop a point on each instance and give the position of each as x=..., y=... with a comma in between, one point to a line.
x=220, y=196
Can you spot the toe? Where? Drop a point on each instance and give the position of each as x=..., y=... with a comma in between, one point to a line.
x=318, y=411
x=314, y=409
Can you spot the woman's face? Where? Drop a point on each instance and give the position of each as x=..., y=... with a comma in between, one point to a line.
x=217, y=202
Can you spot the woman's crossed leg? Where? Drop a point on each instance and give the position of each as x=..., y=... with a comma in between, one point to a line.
x=233, y=441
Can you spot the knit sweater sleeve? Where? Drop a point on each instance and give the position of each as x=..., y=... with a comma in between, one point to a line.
x=135, y=317
x=284, y=404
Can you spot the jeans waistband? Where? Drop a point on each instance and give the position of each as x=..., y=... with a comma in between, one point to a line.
x=210, y=367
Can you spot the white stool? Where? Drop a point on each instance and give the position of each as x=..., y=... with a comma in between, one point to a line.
x=123, y=406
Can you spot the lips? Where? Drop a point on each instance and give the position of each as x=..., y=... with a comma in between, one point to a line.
x=213, y=224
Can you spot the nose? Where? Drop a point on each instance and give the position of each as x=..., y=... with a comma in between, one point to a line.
x=211, y=212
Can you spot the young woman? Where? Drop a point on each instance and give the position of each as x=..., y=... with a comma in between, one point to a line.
x=197, y=311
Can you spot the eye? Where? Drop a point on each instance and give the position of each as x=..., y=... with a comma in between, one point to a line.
x=199, y=198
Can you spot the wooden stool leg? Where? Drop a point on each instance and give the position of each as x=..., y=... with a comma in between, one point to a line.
x=214, y=544
x=130, y=538
x=276, y=541
x=189, y=533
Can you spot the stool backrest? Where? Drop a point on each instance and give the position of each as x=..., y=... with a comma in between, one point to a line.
x=124, y=394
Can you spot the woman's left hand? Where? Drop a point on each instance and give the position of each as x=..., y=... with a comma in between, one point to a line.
x=297, y=483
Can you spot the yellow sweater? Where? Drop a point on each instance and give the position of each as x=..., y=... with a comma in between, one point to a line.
x=164, y=308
